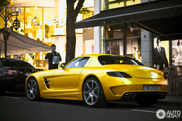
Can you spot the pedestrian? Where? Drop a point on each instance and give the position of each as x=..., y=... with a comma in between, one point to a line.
x=53, y=58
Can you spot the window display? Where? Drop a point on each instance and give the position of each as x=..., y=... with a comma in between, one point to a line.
x=161, y=54
x=177, y=52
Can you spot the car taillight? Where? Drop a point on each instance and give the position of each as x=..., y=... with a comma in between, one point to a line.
x=14, y=72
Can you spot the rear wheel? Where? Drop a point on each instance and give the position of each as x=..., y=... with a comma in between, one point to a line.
x=32, y=90
x=93, y=94
x=146, y=100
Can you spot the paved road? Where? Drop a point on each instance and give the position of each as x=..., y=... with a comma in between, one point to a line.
x=16, y=107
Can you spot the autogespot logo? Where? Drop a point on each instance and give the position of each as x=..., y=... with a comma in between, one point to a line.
x=161, y=114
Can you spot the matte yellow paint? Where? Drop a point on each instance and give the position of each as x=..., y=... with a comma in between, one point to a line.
x=67, y=83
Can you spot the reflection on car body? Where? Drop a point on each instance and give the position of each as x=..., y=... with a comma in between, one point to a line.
x=99, y=78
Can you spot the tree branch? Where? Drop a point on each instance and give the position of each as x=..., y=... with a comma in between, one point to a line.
x=78, y=7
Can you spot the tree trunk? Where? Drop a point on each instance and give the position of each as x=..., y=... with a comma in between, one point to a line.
x=71, y=39
x=70, y=28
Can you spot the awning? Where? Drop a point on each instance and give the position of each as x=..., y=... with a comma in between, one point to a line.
x=20, y=44
x=163, y=17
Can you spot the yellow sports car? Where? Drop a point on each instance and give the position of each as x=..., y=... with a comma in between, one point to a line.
x=97, y=79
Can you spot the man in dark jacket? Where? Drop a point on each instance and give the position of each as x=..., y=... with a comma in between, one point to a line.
x=160, y=56
x=53, y=58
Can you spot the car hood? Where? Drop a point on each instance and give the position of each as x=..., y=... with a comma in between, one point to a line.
x=138, y=71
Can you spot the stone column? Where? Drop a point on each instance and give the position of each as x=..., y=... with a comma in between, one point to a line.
x=146, y=45
x=146, y=48
x=97, y=30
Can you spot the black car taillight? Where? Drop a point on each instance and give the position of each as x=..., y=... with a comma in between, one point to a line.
x=14, y=72
x=119, y=74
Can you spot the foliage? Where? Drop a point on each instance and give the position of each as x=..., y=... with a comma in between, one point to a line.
x=4, y=3
x=84, y=11
x=119, y=1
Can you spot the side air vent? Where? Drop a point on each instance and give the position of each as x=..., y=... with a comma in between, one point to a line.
x=47, y=83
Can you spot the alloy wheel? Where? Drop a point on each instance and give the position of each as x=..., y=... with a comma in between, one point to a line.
x=32, y=89
x=91, y=92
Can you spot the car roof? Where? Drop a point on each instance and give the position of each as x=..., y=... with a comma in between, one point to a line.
x=11, y=59
x=96, y=55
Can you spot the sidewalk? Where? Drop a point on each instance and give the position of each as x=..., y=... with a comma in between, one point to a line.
x=171, y=100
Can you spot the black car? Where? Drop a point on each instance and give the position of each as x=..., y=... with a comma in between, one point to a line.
x=13, y=74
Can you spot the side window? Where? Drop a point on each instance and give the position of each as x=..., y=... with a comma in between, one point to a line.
x=7, y=63
x=82, y=62
x=78, y=62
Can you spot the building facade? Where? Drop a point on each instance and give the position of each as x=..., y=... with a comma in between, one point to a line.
x=45, y=21
x=130, y=40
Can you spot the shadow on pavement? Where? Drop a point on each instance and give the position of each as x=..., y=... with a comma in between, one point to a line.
x=168, y=101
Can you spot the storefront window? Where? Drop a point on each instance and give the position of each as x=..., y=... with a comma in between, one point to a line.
x=38, y=24
x=110, y=4
x=88, y=33
x=33, y=23
x=114, y=31
x=114, y=47
x=177, y=52
x=113, y=38
x=134, y=47
x=49, y=25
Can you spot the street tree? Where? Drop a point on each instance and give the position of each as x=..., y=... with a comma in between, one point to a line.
x=72, y=13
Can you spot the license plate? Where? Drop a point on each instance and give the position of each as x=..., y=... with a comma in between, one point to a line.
x=150, y=87
x=27, y=74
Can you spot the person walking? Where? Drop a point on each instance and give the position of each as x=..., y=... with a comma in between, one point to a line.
x=53, y=58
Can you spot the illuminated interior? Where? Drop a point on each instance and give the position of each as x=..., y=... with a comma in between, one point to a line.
x=47, y=23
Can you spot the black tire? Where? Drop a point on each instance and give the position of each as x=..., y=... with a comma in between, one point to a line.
x=93, y=94
x=146, y=100
x=32, y=90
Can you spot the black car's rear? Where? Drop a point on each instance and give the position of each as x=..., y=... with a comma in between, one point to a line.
x=13, y=74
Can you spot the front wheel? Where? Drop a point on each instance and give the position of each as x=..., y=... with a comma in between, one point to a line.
x=93, y=94
x=32, y=90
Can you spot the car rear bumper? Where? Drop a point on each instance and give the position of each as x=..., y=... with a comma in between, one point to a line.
x=130, y=92
x=134, y=95
x=115, y=87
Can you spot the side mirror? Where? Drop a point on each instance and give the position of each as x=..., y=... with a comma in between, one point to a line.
x=62, y=65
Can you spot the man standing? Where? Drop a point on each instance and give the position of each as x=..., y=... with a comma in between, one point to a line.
x=53, y=58
x=160, y=56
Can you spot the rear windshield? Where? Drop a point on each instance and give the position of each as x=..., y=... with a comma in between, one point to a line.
x=15, y=63
x=109, y=59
